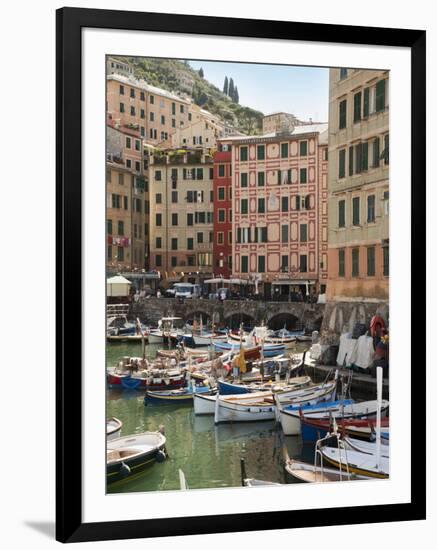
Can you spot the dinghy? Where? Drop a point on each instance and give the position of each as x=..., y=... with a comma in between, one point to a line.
x=113, y=428
x=367, y=447
x=179, y=396
x=233, y=388
x=290, y=415
x=250, y=407
x=127, y=456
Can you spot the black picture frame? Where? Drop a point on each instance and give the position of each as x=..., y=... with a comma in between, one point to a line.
x=70, y=22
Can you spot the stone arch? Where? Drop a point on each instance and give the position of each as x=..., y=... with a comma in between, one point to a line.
x=281, y=319
x=234, y=320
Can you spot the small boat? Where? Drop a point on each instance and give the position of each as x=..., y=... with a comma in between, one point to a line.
x=204, y=404
x=367, y=447
x=342, y=409
x=270, y=350
x=127, y=456
x=206, y=339
x=250, y=407
x=113, y=428
x=304, y=397
x=233, y=388
x=183, y=395
x=358, y=463
x=312, y=429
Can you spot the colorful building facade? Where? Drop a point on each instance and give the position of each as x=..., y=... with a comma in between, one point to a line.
x=279, y=210
x=222, y=247
x=358, y=241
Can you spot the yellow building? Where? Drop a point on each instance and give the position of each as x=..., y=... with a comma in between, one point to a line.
x=358, y=205
x=181, y=214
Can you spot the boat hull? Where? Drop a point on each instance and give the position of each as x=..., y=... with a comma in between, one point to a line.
x=226, y=411
x=204, y=405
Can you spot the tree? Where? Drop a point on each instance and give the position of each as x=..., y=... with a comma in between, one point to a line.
x=231, y=88
x=226, y=86
x=236, y=97
x=201, y=72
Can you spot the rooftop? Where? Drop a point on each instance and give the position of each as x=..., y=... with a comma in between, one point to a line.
x=142, y=85
x=297, y=131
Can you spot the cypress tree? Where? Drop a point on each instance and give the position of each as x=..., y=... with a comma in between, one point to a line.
x=201, y=72
x=236, y=96
x=231, y=88
x=225, y=86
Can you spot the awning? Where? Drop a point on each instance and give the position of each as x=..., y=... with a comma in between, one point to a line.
x=294, y=282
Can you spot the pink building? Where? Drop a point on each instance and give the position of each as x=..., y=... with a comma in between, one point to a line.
x=279, y=201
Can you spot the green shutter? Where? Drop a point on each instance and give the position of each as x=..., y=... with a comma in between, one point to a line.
x=351, y=161
x=365, y=155
x=380, y=96
x=357, y=107
x=342, y=163
x=366, y=102
x=376, y=153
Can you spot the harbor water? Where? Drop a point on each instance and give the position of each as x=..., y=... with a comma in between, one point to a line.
x=209, y=455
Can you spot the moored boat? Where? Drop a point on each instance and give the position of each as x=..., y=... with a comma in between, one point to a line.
x=250, y=407
x=204, y=404
x=313, y=429
x=127, y=456
x=113, y=428
x=357, y=462
x=183, y=395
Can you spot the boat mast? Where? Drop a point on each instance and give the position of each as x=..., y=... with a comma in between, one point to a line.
x=378, y=415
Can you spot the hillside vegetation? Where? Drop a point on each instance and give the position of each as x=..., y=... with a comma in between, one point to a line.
x=173, y=75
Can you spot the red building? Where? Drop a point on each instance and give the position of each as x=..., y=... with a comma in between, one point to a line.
x=222, y=246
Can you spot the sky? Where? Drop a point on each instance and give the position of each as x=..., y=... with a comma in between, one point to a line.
x=302, y=91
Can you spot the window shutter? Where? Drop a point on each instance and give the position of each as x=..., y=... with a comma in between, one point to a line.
x=365, y=155
x=307, y=202
x=366, y=102
x=298, y=202
x=279, y=177
x=351, y=161
x=380, y=96
x=376, y=153
x=289, y=176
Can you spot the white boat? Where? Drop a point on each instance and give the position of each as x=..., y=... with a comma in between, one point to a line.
x=206, y=339
x=126, y=456
x=358, y=463
x=309, y=473
x=290, y=418
x=367, y=447
x=113, y=428
x=250, y=407
x=310, y=395
x=204, y=404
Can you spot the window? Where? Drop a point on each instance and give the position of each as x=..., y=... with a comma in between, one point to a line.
x=356, y=211
x=199, y=173
x=128, y=163
x=120, y=253
x=120, y=228
x=221, y=193
x=261, y=179
x=243, y=179
x=297, y=202
x=132, y=92
x=260, y=152
x=230, y=214
x=190, y=243
x=158, y=242
x=220, y=237
x=158, y=261
x=375, y=162
x=116, y=201
x=152, y=116
x=386, y=149
x=158, y=220
x=385, y=260
x=303, y=268
x=364, y=156
x=162, y=119
x=109, y=227
x=244, y=264
x=142, y=113
x=229, y=237
x=284, y=204
x=355, y=262
x=137, y=166
x=125, y=203
x=261, y=264
x=158, y=198
x=109, y=252
x=143, y=131
x=357, y=107
x=351, y=160
x=189, y=219
x=284, y=233
x=341, y=213
x=181, y=108
x=371, y=261
x=132, y=110
x=221, y=170
x=343, y=73
x=137, y=145
x=173, y=108
x=342, y=163
x=121, y=179
x=243, y=154
x=121, y=90
x=342, y=114
x=244, y=206
x=303, y=232
x=191, y=260
x=174, y=196
x=260, y=235
x=200, y=238
x=174, y=261
x=303, y=148
x=121, y=107
x=158, y=175
x=370, y=208
x=128, y=143
x=174, y=243
x=366, y=102
x=284, y=263
x=303, y=175
x=142, y=96
x=380, y=96
x=221, y=215
x=341, y=268
x=174, y=219
x=284, y=150
x=261, y=206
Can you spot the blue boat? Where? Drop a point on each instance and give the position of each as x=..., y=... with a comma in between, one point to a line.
x=183, y=395
x=270, y=350
x=228, y=388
